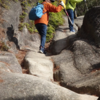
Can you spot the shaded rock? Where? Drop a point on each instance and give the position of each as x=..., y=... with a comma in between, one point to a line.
x=58, y=44
x=60, y=38
x=39, y=65
x=91, y=25
x=89, y=84
x=77, y=66
x=21, y=86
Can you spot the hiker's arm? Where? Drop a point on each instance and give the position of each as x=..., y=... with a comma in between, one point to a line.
x=76, y=1
x=52, y=8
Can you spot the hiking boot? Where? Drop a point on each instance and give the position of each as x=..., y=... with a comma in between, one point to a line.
x=72, y=31
x=43, y=52
x=40, y=51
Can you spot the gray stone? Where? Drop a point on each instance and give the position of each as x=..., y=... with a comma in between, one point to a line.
x=10, y=60
x=39, y=65
x=76, y=65
x=64, y=63
x=60, y=38
x=12, y=15
x=79, y=21
x=26, y=87
x=4, y=67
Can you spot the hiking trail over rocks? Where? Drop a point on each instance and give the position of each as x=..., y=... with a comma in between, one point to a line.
x=70, y=71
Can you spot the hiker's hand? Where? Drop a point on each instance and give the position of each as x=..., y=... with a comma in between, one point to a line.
x=62, y=4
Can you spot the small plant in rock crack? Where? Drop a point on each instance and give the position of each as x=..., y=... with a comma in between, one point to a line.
x=22, y=16
x=3, y=46
x=4, y=3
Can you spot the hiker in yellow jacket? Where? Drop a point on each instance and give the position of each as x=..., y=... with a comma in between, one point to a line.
x=70, y=6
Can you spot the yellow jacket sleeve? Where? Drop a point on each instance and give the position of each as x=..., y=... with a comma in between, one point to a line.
x=71, y=4
x=76, y=1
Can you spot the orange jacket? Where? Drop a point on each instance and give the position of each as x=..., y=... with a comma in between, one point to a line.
x=48, y=7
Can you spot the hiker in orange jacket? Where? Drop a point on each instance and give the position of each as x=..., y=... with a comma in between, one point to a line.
x=41, y=23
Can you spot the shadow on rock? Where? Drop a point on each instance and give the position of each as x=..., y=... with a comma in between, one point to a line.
x=57, y=46
x=62, y=29
x=12, y=37
x=38, y=97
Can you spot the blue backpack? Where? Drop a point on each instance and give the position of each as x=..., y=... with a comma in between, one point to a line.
x=36, y=12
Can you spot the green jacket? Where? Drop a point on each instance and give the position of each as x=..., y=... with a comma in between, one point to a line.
x=71, y=4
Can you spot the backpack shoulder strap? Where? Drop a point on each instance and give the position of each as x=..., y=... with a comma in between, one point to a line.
x=46, y=11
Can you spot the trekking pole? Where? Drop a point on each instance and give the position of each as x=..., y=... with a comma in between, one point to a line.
x=68, y=16
x=66, y=12
x=86, y=5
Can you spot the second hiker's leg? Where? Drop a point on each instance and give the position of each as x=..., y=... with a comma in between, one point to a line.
x=71, y=15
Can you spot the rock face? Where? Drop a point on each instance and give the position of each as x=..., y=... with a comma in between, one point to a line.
x=91, y=25
x=15, y=39
x=77, y=66
x=12, y=15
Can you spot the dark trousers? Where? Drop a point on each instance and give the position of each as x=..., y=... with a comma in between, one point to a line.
x=71, y=15
x=42, y=29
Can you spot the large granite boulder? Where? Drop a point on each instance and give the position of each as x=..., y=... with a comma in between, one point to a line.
x=39, y=65
x=77, y=66
x=91, y=25
x=15, y=86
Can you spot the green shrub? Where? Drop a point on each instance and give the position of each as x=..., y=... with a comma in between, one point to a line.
x=50, y=32
x=55, y=19
x=21, y=26
x=30, y=26
x=22, y=16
